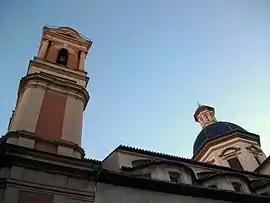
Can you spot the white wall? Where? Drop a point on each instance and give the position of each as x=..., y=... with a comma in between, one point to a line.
x=126, y=158
x=111, y=162
x=119, y=158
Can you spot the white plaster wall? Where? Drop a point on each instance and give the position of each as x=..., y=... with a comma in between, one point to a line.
x=221, y=183
x=198, y=169
x=126, y=158
x=72, y=125
x=109, y=193
x=28, y=109
x=161, y=173
x=111, y=162
x=122, y=158
x=143, y=171
x=225, y=183
x=185, y=176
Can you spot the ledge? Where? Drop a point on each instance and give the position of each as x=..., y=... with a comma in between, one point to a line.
x=178, y=189
x=11, y=155
x=58, y=82
x=33, y=136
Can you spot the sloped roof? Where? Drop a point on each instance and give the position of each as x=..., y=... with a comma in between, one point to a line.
x=263, y=164
x=186, y=160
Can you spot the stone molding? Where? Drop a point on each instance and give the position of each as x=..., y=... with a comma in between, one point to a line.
x=48, y=81
x=48, y=162
x=33, y=136
x=67, y=34
x=51, y=66
x=224, y=152
x=225, y=137
x=49, y=189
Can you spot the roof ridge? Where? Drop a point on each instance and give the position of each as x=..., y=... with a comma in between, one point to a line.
x=149, y=151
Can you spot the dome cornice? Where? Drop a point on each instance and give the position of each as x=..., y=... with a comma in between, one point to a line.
x=223, y=138
x=214, y=131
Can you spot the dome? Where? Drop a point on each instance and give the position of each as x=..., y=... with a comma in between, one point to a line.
x=212, y=132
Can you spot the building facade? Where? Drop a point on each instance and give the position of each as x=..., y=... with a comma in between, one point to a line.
x=42, y=159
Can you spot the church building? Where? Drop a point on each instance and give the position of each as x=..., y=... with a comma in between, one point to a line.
x=41, y=158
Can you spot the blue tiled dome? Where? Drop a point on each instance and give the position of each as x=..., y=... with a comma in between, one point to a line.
x=213, y=131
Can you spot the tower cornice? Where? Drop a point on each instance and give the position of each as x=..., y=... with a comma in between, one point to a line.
x=48, y=81
x=67, y=34
x=41, y=63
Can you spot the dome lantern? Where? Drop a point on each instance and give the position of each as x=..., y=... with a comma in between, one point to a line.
x=205, y=115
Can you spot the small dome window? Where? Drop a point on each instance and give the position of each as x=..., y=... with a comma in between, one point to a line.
x=213, y=186
x=62, y=57
x=235, y=163
x=175, y=177
x=237, y=186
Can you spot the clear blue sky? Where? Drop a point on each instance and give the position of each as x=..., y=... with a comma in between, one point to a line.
x=146, y=60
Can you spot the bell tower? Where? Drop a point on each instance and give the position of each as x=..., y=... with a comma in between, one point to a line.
x=52, y=95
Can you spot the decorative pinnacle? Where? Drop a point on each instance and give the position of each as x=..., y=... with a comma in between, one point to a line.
x=198, y=104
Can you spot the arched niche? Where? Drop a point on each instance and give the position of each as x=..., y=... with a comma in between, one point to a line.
x=230, y=151
x=227, y=181
x=165, y=170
